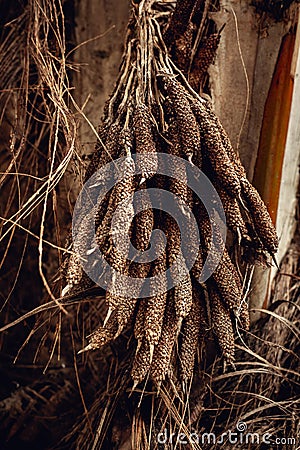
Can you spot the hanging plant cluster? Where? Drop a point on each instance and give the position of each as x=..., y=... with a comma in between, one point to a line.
x=153, y=109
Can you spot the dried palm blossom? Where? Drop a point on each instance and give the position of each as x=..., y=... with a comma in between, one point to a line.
x=153, y=110
x=144, y=140
x=156, y=305
x=204, y=58
x=261, y=218
x=222, y=324
x=163, y=351
x=193, y=328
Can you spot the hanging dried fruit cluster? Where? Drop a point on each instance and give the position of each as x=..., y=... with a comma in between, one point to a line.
x=153, y=109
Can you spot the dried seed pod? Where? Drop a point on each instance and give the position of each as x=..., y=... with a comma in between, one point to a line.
x=141, y=363
x=74, y=271
x=222, y=324
x=183, y=48
x=179, y=20
x=103, y=335
x=233, y=156
x=183, y=296
x=186, y=121
x=126, y=308
x=182, y=291
x=121, y=192
x=225, y=280
x=213, y=149
x=192, y=327
x=204, y=58
x=163, y=351
x=204, y=110
x=234, y=219
x=261, y=219
x=139, y=325
x=109, y=135
x=173, y=240
x=243, y=315
x=116, y=146
x=84, y=236
x=179, y=184
x=114, y=227
x=144, y=141
x=156, y=305
x=143, y=222
x=225, y=274
x=197, y=268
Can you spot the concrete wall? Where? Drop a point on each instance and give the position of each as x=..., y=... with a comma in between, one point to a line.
x=98, y=59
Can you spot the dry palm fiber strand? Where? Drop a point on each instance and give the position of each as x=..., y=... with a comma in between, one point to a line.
x=242, y=312
x=153, y=109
